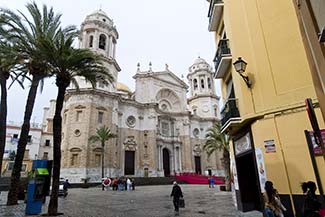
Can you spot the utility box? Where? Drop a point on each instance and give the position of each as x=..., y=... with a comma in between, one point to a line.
x=37, y=187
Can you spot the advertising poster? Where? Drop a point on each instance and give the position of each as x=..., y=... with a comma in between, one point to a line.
x=261, y=168
x=317, y=149
x=234, y=173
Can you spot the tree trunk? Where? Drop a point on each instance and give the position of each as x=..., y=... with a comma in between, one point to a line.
x=57, y=135
x=226, y=161
x=15, y=176
x=103, y=145
x=3, y=115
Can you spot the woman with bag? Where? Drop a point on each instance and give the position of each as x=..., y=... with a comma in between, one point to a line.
x=176, y=194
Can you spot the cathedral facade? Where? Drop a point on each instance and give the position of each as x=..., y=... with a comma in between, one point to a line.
x=160, y=128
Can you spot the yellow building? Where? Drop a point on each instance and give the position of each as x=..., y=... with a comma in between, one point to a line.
x=264, y=108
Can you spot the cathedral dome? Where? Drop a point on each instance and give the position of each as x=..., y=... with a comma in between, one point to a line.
x=99, y=15
x=199, y=65
x=122, y=87
x=200, y=60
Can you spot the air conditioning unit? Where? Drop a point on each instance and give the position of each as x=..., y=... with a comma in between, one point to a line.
x=322, y=35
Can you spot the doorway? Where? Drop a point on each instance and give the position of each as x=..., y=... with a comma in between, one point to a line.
x=166, y=162
x=249, y=191
x=197, y=160
x=129, y=163
x=146, y=172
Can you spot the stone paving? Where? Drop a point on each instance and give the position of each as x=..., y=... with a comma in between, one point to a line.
x=145, y=201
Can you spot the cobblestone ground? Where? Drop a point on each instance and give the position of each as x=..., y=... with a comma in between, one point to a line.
x=145, y=201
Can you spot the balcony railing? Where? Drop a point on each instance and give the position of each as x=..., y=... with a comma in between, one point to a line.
x=215, y=14
x=222, y=58
x=229, y=111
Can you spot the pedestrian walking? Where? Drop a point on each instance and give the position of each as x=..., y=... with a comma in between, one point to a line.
x=272, y=202
x=115, y=184
x=120, y=184
x=133, y=184
x=125, y=185
x=176, y=194
x=311, y=205
x=129, y=184
x=211, y=182
x=66, y=185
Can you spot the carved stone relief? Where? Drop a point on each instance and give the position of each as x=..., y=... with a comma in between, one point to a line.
x=130, y=144
x=197, y=150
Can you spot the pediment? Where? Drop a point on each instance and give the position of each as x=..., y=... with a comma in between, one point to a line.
x=170, y=77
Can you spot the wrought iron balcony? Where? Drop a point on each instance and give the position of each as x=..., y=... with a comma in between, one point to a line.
x=222, y=59
x=215, y=14
x=230, y=112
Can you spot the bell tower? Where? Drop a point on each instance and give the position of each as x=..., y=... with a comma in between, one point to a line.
x=203, y=101
x=99, y=34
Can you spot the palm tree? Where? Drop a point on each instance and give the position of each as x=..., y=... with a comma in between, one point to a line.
x=8, y=65
x=67, y=64
x=103, y=134
x=27, y=34
x=217, y=141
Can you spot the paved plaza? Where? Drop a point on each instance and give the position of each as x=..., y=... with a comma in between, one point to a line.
x=145, y=201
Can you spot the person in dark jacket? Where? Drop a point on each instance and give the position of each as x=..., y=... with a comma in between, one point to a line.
x=176, y=194
x=66, y=185
x=311, y=204
x=133, y=184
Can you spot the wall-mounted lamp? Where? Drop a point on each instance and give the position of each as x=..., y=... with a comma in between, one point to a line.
x=240, y=66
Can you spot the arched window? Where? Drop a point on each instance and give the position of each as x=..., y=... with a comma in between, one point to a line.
x=91, y=39
x=195, y=84
x=102, y=42
x=202, y=83
x=209, y=83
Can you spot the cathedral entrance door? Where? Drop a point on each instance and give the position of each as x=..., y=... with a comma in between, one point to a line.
x=129, y=163
x=197, y=164
x=166, y=162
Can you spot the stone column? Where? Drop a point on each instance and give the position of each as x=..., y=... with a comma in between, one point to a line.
x=179, y=159
x=114, y=50
x=175, y=159
x=172, y=164
x=96, y=40
x=159, y=159
x=110, y=50
x=108, y=46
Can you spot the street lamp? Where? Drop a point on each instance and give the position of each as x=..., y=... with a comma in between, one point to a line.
x=240, y=67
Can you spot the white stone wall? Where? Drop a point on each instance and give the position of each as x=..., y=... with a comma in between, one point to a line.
x=43, y=148
x=33, y=146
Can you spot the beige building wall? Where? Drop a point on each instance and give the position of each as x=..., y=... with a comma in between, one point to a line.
x=268, y=36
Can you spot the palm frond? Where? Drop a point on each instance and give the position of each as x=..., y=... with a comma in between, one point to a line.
x=215, y=140
x=102, y=135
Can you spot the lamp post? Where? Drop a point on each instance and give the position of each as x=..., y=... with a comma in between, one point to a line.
x=240, y=67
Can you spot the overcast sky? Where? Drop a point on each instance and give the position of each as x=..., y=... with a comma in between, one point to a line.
x=170, y=31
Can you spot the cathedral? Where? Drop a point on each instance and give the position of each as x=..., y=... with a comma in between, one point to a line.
x=160, y=128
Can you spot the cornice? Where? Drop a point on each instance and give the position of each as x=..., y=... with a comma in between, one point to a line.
x=101, y=25
x=203, y=95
